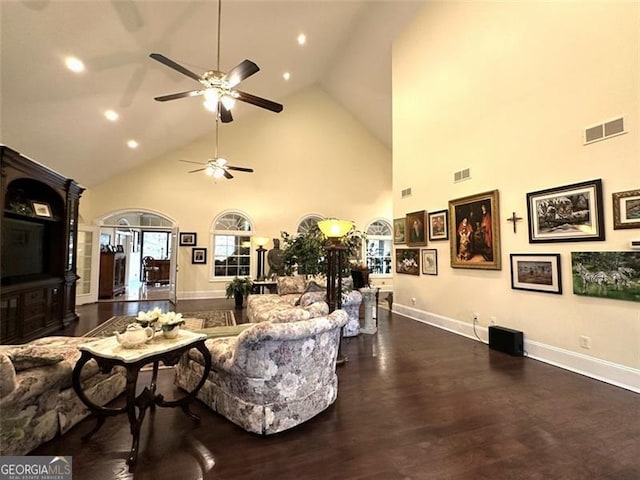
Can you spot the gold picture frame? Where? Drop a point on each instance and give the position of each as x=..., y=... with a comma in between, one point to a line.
x=474, y=226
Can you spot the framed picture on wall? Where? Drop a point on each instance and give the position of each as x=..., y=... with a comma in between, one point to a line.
x=429, y=261
x=398, y=231
x=187, y=239
x=408, y=261
x=626, y=209
x=612, y=275
x=439, y=225
x=571, y=213
x=474, y=223
x=416, y=228
x=539, y=272
x=198, y=255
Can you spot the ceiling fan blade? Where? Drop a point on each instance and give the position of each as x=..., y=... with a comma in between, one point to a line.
x=259, y=101
x=225, y=114
x=240, y=169
x=171, y=64
x=175, y=96
x=197, y=170
x=189, y=161
x=241, y=71
x=227, y=174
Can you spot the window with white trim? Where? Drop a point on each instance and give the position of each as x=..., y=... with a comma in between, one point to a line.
x=232, y=234
x=378, y=251
x=308, y=222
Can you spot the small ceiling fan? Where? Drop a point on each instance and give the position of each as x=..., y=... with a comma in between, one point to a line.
x=219, y=87
x=217, y=167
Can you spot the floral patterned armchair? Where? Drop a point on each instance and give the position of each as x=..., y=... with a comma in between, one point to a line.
x=271, y=377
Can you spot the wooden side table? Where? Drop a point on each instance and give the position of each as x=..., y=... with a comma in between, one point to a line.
x=109, y=353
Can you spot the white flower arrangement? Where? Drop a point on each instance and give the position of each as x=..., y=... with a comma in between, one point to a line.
x=158, y=319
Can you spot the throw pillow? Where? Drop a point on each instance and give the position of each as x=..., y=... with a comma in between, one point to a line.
x=288, y=285
x=7, y=376
x=31, y=356
x=312, y=287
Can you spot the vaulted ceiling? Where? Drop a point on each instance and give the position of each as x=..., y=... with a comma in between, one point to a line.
x=56, y=117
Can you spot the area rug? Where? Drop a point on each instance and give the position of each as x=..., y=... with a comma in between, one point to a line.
x=193, y=321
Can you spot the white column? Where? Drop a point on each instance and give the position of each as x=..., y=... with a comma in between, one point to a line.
x=369, y=300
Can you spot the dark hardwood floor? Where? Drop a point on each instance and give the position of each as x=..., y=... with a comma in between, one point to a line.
x=414, y=402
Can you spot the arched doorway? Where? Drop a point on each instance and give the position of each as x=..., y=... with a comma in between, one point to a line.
x=138, y=235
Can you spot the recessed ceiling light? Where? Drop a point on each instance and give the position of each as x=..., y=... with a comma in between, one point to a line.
x=302, y=39
x=132, y=144
x=74, y=64
x=111, y=115
x=286, y=75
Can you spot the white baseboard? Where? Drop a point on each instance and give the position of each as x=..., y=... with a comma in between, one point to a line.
x=608, y=372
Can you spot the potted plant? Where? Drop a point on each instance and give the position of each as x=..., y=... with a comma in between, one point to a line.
x=239, y=288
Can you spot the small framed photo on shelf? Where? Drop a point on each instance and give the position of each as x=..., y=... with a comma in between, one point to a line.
x=198, y=255
x=41, y=209
x=429, y=261
x=439, y=225
x=539, y=272
x=188, y=239
x=626, y=209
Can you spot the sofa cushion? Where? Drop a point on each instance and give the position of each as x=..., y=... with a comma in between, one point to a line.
x=7, y=376
x=288, y=285
x=24, y=357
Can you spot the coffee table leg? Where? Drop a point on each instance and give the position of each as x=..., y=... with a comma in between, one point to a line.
x=134, y=420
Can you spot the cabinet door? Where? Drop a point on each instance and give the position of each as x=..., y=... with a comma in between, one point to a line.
x=88, y=264
x=9, y=318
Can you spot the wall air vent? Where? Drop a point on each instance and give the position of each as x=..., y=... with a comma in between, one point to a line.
x=610, y=128
x=462, y=175
x=406, y=192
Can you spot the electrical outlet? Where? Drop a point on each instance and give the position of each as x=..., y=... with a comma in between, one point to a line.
x=494, y=320
x=413, y=300
x=476, y=317
x=585, y=342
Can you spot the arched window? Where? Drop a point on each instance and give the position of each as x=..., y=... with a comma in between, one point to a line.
x=308, y=223
x=232, y=246
x=378, y=254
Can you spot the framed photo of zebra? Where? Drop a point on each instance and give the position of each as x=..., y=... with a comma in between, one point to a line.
x=572, y=213
x=607, y=274
x=539, y=272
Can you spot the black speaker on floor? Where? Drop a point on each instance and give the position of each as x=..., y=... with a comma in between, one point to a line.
x=506, y=340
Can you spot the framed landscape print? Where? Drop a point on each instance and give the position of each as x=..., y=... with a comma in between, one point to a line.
x=429, y=261
x=187, y=239
x=536, y=271
x=198, y=255
x=416, y=228
x=439, y=225
x=398, y=230
x=474, y=223
x=41, y=209
x=626, y=209
x=614, y=275
x=572, y=213
x=408, y=261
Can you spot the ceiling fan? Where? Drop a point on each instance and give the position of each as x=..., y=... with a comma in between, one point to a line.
x=217, y=167
x=219, y=87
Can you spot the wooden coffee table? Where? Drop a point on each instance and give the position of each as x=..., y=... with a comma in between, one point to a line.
x=109, y=353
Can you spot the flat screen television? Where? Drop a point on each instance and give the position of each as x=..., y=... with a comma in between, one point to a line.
x=24, y=254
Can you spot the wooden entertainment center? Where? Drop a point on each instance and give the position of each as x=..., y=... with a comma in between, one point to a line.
x=39, y=246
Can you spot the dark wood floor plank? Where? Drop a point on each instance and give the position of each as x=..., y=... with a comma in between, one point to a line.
x=414, y=402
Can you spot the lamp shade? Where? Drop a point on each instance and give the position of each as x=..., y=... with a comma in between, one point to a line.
x=334, y=228
x=261, y=241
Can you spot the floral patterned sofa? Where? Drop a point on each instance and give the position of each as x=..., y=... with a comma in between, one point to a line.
x=271, y=377
x=37, y=401
x=297, y=294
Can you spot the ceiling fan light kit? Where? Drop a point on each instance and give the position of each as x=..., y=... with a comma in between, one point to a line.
x=219, y=97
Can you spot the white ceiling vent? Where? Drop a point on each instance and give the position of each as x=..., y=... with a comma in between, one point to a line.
x=610, y=128
x=462, y=175
x=406, y=192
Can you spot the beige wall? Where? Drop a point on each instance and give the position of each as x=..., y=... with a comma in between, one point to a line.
x=312, y=158
x=506, y=89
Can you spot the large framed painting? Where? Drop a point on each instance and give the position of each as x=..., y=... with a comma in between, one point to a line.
x=398, y=230
x=416, y=228
x=572, y=213
x=538, y=272
x=438, y=225
x=474, y=223
x=408, y=261
x=626, y=209
x=613, y=275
